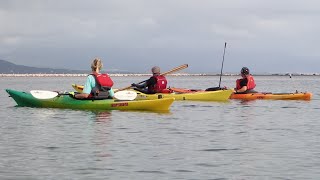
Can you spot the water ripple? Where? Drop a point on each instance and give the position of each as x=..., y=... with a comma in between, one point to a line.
x=183, y=171
x=51, y=147
x=208, y=165
x=217, y=149
x=289, y=107
x=152, y=172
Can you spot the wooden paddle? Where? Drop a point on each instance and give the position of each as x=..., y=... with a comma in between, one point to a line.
x=165, y=73
x=43, y=94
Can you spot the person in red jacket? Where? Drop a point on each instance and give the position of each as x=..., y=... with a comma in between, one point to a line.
x=246, y=84
x=155, y=84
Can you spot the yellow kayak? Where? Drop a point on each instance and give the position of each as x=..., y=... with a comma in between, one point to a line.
x=78, y=88
x=221, y=95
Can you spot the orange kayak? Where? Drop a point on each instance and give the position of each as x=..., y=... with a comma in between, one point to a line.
x=259, y=95
x=273, y=96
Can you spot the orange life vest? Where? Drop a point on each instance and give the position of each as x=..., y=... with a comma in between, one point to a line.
x=250, y=84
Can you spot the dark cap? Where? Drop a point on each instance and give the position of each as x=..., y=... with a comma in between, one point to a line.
x=245, y=71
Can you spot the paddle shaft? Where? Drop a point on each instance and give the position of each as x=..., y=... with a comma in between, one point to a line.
x=171, y=71
x=224, y=51
x=165, y=73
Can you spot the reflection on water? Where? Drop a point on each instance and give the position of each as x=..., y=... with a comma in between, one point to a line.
x=101, y=116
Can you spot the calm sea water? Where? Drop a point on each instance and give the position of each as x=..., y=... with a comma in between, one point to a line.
x=196, y=140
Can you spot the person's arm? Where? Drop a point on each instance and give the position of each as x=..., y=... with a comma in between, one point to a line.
x=152, y=81
x=140, y=85
x=86, y=89
x=243, y=85
x=111, y=93
x=243, y=89
x=144, y=85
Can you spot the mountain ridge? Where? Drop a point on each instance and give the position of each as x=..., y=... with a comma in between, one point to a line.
x=7, y=67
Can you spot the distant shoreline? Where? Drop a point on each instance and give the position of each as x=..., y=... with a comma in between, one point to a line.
x=125, y=75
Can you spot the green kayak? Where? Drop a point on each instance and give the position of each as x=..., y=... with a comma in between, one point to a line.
x=66, y=101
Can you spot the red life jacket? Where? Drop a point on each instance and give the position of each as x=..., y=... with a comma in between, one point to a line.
x=103, y=85
x=103, y=80
x=160, y=85
x=250, y=85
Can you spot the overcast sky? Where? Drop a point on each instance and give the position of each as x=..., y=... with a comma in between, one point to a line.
x=134, y=35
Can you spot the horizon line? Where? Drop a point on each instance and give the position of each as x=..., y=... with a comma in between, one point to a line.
x=145, y=74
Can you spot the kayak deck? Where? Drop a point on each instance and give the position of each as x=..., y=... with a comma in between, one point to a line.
x=66, y=101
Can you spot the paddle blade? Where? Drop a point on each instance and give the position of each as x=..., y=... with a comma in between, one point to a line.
x=125, y=95
x=41, y=94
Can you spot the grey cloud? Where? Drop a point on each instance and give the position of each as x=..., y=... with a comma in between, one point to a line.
x=153, y=31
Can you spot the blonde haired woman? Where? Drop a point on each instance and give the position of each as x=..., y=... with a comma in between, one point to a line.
x=97, y=86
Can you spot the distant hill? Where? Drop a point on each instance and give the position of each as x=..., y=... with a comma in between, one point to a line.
x=11, y=68
x=7, y=67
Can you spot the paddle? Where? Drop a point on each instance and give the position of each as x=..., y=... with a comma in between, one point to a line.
x=219, y=87
x=43, y=94
x=125, y=95
x=165, y=73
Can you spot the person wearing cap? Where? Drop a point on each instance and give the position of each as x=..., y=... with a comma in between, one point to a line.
x=98, y=85
x=246, y=84
x=157, y=83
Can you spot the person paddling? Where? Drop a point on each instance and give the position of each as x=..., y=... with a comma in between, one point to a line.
x=155, y=84
x=97, y=86
x=246, y=84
